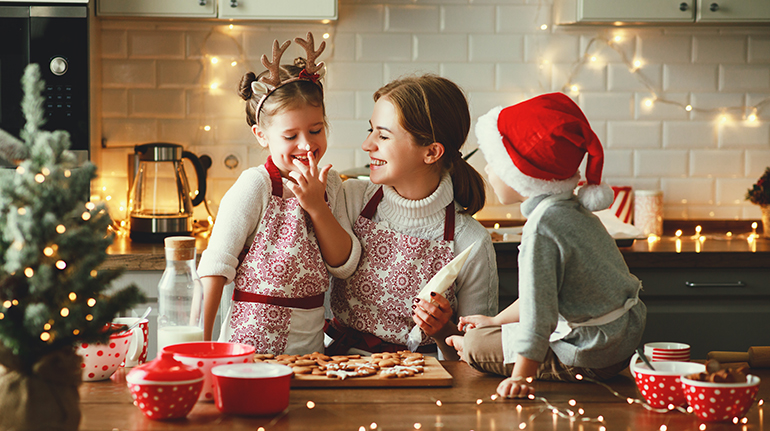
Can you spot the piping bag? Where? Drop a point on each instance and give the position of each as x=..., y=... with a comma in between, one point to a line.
x=439, y=284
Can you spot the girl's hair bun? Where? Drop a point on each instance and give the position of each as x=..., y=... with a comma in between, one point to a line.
x=244, y=88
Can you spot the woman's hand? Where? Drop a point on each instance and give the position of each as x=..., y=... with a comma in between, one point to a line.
x=516, y=387
x=431, y=316
x=475, y=321
x=309, y=184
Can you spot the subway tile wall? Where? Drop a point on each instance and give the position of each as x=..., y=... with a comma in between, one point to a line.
x=158, y=83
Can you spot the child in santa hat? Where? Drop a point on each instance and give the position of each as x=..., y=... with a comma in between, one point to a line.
x=578, y=310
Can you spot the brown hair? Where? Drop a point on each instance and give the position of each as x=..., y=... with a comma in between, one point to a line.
x=289, y=96
x=434, y=109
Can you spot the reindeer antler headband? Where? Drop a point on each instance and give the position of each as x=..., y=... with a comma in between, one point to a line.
x=312, y=72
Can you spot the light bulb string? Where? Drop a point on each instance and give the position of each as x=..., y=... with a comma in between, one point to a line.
x=656, y=95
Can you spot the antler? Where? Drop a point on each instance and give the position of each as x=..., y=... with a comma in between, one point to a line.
x=312, y=55
x=274, y=67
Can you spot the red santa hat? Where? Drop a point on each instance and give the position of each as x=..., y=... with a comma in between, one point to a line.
x=536, y=147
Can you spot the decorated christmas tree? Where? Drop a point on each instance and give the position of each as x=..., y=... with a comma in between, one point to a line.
x=52, y=240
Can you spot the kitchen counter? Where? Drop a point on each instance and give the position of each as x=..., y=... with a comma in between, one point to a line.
x=107, y=405
x=712, y=252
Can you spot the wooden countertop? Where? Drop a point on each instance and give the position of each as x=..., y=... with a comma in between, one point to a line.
x=107, y=405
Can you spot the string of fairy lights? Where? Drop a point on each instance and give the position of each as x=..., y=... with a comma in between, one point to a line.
x=573, y=413
x=748, y=113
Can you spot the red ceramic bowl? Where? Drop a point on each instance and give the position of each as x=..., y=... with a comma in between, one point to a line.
x=252, y=389
x=207, y=354
x=662, y=387
x=720, y=401
x=165, y=388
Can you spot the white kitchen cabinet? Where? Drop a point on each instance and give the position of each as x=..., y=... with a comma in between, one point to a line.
x=223, y=9
x=159, y=8
x=284, y=9
x=737, y=11
x=624, y=11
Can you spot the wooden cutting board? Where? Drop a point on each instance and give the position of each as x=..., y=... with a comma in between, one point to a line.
x=433, y=375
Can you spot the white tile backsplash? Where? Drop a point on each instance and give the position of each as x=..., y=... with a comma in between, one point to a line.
x=467, y=19
x=156, y=77
x=689, y=77
x=633, y=134
x=744, y=78
x=441, y=47
x=689, y=134
x=411, y=18
x=716, y=163
x=661, y=163
x=381, y=46
x=719, y=49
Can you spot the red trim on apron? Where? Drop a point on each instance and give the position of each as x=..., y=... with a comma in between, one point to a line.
x=306, y=303
x=275, y=177
x=346, y=338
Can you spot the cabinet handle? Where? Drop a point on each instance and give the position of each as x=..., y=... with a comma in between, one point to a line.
x=697, y=285
x=714, y=7
x=202, y=2
x=683, y=6
x=233, y=3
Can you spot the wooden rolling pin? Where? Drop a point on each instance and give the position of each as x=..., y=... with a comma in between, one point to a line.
x=757, y=357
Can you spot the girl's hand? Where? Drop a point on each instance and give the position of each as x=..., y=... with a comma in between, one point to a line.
x=474, y=321
x=431, y=316
x=309, y=184
x=456, y=341
x=515, y=387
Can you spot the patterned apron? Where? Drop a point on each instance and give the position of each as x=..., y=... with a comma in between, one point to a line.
x=375, y=302
x=280, y=282
x=563, y=326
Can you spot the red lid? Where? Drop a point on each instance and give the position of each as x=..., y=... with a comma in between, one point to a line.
x=164, y=369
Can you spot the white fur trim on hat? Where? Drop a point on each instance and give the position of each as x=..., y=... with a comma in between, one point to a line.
x=492, y=146
x=596, y=197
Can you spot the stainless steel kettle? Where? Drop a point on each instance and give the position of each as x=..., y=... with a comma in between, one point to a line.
x=160, y=199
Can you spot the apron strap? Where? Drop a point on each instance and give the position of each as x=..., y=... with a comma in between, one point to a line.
x=275, y=177
x=306, y=303
x=449, y=222
x=371, y=206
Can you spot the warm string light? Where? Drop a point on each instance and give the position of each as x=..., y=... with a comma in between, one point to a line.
x=748, y=113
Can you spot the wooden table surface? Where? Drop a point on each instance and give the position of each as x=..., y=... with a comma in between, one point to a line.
x=107, y=405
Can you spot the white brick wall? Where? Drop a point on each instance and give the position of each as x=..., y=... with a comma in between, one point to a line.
x=156, y=78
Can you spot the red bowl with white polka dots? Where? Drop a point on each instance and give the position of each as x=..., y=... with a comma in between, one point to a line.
x=713, y=402
x=662, y=387
x=205, y=355
x=165, y=388
x=100, y=360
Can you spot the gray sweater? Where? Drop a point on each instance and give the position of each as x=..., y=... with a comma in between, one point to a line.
x=571, y=266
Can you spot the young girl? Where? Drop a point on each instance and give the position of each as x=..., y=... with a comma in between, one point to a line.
x=412, y=218
x=578, y=310
x=277, y=235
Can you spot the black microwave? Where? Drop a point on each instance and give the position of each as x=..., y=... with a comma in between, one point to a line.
x=55, y=36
